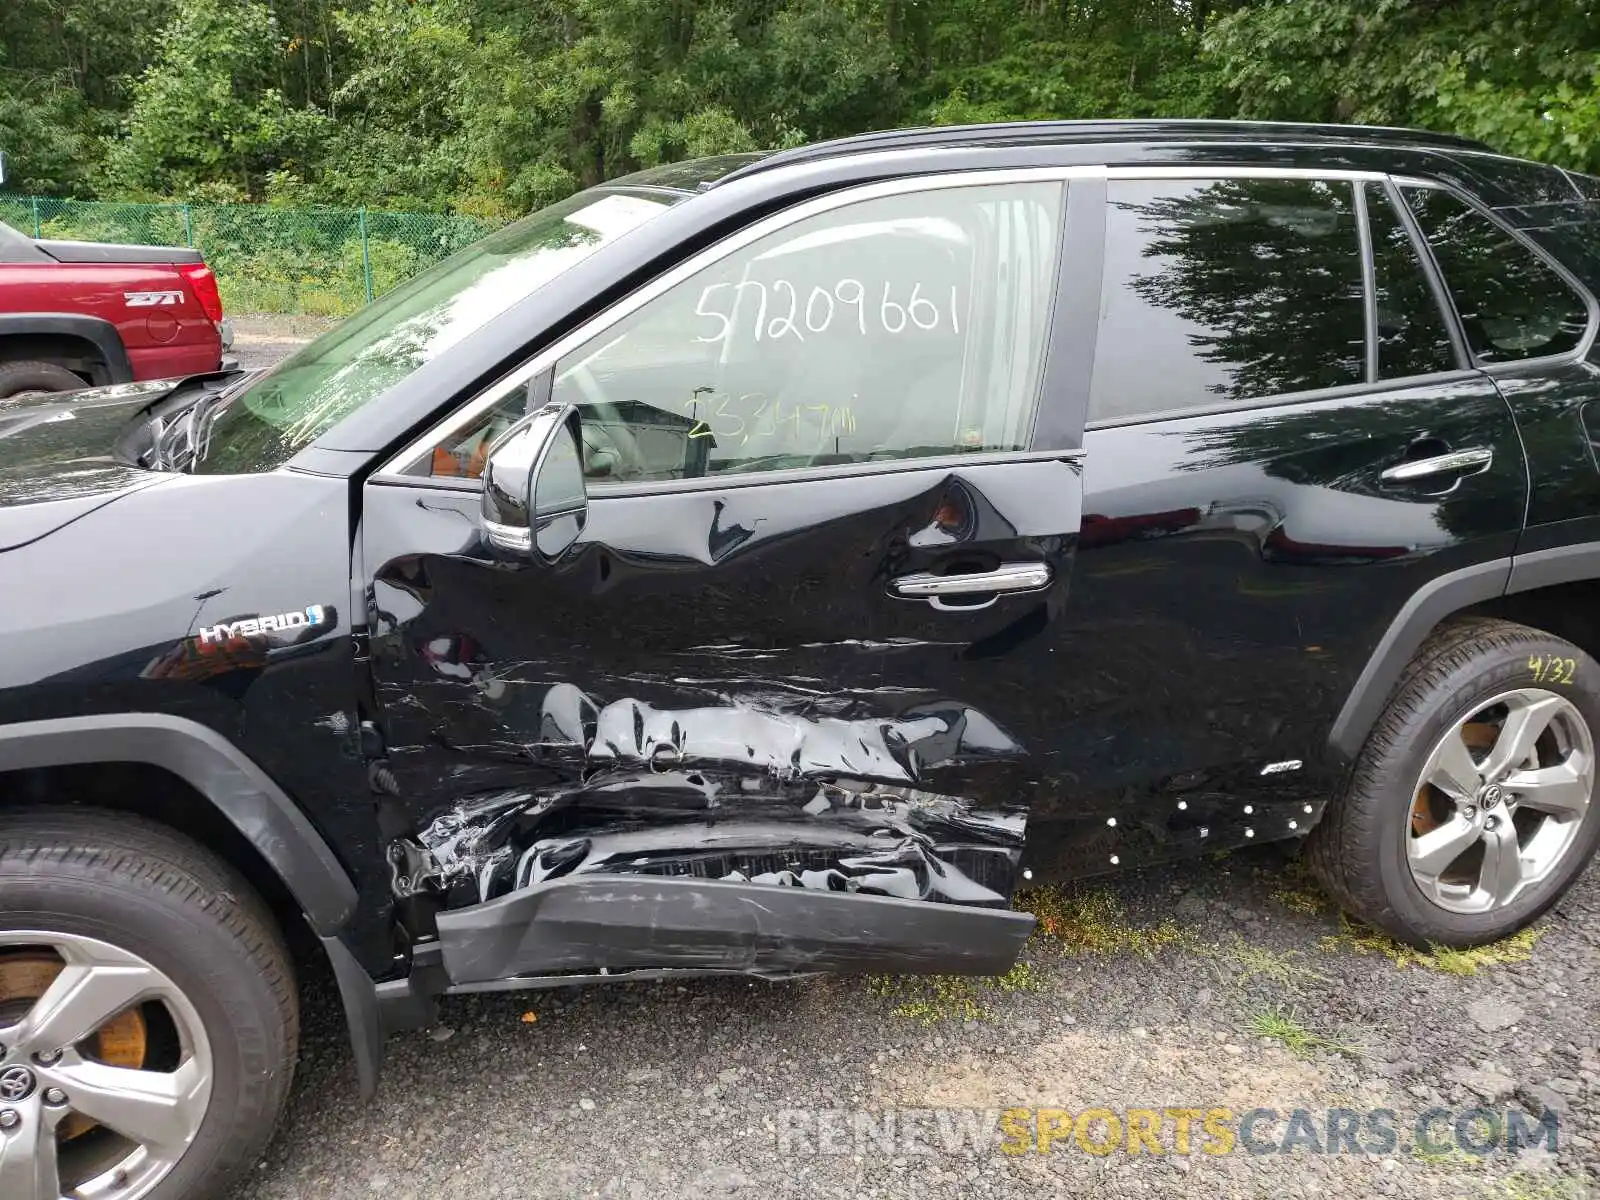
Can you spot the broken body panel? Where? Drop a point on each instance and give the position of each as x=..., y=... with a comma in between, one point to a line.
x=744, y=701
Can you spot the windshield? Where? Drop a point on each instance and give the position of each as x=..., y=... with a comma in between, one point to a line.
x=265, y=423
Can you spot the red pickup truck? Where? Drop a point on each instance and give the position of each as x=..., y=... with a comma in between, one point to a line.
x=76, y=314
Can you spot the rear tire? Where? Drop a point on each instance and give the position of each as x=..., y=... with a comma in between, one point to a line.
x=1386, y=849
x=121, y=898
x=20, y=378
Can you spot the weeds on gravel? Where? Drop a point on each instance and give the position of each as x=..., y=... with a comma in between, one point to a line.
x=1363, y=939
x=1094, y=922
x=930, y=999
x=1296, y=889
x=1284, y=1026
x=1540, y=1185
x=1300, y=900
x=1249, y=961
x=1447, y=1156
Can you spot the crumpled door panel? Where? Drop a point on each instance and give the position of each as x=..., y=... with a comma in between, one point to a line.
x=721, y=685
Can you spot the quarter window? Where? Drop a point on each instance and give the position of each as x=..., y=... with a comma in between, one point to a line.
x=1224, y=291
x=1513, y=304
x=1412, y=336
x=900, y=327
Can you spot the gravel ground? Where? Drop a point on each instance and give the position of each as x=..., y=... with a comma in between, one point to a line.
x=1223, y=983
x=261, y=340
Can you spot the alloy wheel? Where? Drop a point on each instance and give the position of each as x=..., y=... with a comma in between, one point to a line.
x=105, y=1070
x=1500, y=801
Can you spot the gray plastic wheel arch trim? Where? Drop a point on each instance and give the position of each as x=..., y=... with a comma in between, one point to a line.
x=241, y=791
x=1432, y=603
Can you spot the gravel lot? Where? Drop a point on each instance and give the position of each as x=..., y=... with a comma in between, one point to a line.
x=1220, y=983
x=260, y=341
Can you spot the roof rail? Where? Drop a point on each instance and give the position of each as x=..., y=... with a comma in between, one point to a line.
x=1013, y=133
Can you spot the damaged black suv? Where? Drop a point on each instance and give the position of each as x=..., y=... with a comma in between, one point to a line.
x=764, y=564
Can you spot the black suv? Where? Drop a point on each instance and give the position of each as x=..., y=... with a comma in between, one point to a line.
x=764, y=565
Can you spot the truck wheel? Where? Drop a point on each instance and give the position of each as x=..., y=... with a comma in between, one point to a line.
x=1470, y=810
x=148, y=1017
x=30, y=378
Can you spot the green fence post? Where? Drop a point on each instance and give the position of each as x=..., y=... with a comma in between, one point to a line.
x=366, y=257
x=188, y=226
x=36, y=233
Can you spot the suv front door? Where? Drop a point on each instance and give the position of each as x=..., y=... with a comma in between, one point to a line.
x=799, y=640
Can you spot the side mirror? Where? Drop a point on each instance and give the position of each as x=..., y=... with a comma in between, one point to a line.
x=533, y=491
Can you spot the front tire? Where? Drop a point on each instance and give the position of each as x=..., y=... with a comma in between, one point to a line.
x=148, y=1015
x=1471, y=808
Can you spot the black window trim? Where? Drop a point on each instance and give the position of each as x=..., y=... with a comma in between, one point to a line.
x=1453, y=314
x=396, y=468
x=1285, y=399
x=603, y=490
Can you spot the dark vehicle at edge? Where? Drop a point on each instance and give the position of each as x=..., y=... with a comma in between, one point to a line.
x=765, y=565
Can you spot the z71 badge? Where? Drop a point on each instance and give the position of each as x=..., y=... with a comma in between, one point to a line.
x=152, y=299
x=246, y=627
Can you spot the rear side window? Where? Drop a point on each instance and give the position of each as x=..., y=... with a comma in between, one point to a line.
x=1513, y=304
x=1222, y=291
x=1412, y=336
x=1588, y=185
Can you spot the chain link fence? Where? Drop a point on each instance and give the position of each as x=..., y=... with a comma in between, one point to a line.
x=309, y=261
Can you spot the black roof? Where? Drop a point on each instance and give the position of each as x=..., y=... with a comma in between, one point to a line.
x=1025, y=133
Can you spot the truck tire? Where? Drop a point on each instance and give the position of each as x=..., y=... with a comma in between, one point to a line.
x=24, y=378
x=133, y=962
x=1471, y=807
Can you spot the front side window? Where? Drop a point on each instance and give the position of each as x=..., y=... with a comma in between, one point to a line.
x=1225, y=291
x=899, y=327
x=1513, y=304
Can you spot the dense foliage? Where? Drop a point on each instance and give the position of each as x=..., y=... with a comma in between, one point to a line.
x=490, y=107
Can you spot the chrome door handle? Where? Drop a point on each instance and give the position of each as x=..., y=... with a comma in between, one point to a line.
x=1453, y=463
x=1007, y=577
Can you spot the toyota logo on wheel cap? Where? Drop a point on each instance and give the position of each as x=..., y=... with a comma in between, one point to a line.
x=16, y=1083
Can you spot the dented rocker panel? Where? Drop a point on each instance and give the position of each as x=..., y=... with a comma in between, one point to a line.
x=594, y=925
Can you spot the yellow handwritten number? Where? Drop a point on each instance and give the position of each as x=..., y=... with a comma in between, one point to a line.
x=1552, y=670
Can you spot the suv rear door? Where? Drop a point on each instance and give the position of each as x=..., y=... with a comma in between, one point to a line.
x=1286, y=446
x=766, y=658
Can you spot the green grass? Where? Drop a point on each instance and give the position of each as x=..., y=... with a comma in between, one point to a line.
x=1249, y=961
x=1541, y=1185
x=1094, y=922
x=1284, y=1026
x=1301, y=900
x=1362, y=939
x=931, y=999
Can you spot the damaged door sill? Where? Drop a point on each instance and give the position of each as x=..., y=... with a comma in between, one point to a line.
x=592, y=928
x=532, y=983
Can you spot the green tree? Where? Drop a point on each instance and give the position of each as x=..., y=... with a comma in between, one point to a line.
x=495, y=106
x=206, y=117
x=1523, y=75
